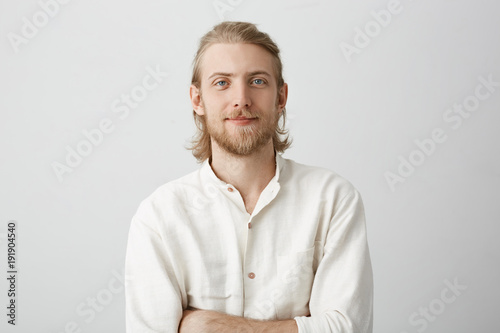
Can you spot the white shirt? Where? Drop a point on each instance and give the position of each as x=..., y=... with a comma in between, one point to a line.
x=303, y=251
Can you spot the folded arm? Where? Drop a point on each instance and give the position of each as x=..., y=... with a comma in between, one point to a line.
x=342, y=293
x=195, y=321
x=153, y=296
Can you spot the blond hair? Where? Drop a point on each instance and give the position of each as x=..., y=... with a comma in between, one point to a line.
x=231, y=33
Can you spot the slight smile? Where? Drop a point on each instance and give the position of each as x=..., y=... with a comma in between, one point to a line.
x=241, y=120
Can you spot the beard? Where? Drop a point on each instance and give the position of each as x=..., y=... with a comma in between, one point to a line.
x=241, y=139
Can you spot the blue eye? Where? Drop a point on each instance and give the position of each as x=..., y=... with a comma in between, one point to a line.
x=221, y=85
x=258, y=81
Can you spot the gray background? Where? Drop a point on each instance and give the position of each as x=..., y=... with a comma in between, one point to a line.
x=355, y=115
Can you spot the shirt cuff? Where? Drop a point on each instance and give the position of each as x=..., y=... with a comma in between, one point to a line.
x=302, y=324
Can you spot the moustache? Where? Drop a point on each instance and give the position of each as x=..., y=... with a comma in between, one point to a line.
x=241, y=113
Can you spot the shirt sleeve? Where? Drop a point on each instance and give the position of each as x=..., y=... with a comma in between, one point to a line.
x=342, y=293
x=152, y=293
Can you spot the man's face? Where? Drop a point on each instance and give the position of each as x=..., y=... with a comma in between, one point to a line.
x=239, y=96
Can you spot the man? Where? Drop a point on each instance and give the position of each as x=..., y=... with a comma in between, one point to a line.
x=250, y=242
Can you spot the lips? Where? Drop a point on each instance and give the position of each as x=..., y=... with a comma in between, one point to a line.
x=240, y=118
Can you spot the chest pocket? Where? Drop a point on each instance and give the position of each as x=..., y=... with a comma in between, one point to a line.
x=295, y=277
x=209, y=283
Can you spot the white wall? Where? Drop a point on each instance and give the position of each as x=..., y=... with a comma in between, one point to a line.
x=357, y=115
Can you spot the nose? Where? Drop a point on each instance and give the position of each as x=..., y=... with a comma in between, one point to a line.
x=241, y=97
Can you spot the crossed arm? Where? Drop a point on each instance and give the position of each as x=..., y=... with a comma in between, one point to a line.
x=341, y=299
x=195, y=321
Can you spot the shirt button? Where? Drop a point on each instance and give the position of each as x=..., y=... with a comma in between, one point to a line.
x=249, y=225
x=230, y=189
x=251, y=275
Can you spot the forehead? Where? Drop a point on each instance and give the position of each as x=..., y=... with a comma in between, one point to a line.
x=237, y=59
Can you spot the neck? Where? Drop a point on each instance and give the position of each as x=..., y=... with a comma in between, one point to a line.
x=249, y=174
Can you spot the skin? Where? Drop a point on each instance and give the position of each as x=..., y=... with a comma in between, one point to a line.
x=238, y=80
x=240, y=93
x=202, y=321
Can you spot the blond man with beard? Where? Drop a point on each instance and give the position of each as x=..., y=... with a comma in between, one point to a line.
x=252, y=241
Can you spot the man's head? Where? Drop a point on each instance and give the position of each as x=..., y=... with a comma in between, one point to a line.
x=237, y=73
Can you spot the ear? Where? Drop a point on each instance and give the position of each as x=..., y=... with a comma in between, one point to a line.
x=282, y=97
x=195, y=95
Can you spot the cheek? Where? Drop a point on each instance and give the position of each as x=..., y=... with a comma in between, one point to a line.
x=265, y=99
x=216, y=102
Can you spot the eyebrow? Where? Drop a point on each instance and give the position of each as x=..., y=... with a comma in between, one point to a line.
x=231, y=74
